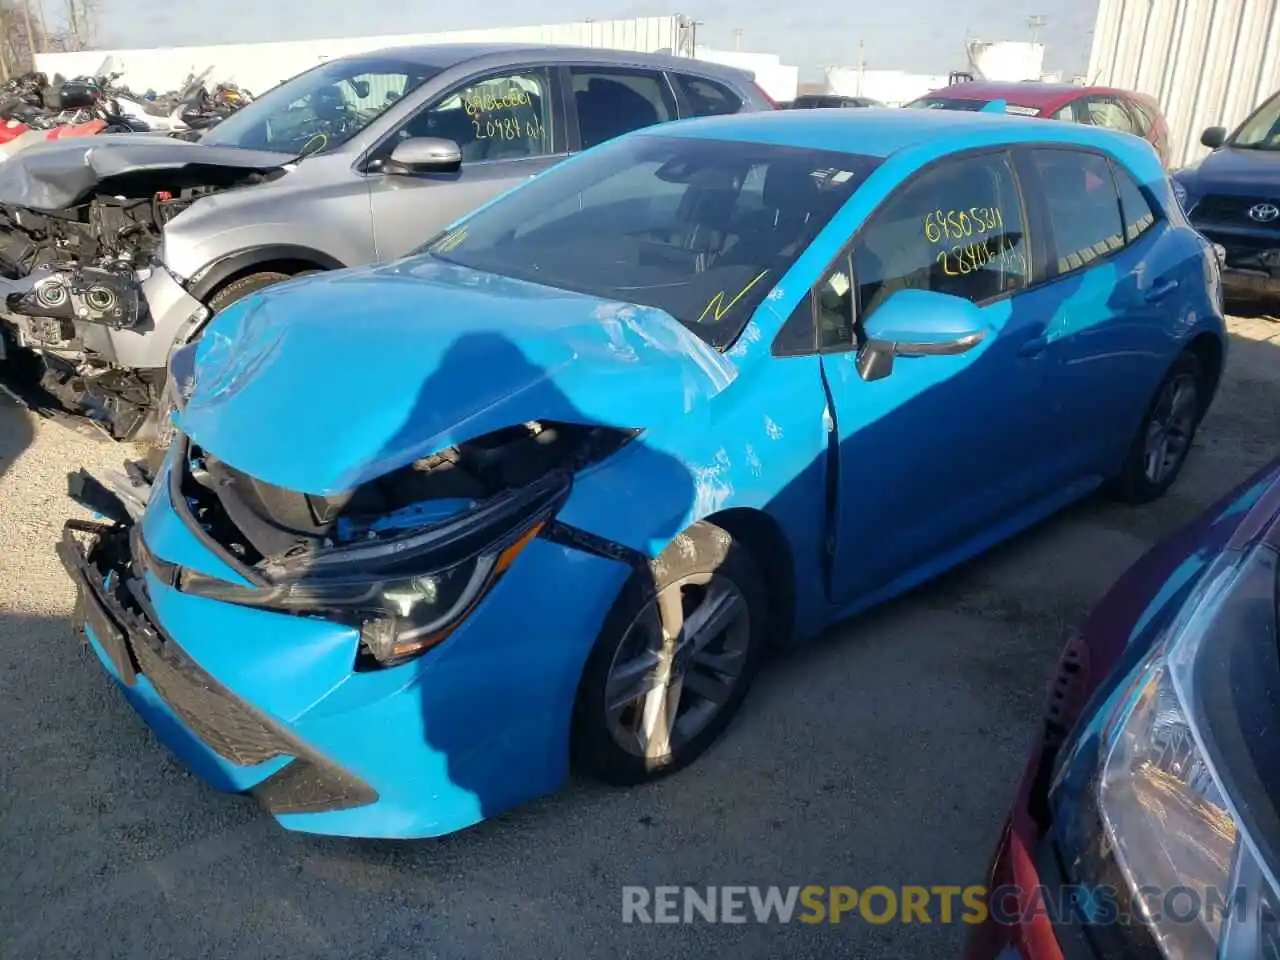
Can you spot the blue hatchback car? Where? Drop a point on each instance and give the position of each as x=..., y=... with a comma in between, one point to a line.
x=549, y=488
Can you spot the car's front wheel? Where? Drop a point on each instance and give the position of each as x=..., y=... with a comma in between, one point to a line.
x=1160, y=448
x=674, y=660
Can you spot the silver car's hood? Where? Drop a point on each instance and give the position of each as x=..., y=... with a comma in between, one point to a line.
x=63, y=173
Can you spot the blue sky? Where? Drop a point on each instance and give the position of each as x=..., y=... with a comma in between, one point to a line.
x=918, y=35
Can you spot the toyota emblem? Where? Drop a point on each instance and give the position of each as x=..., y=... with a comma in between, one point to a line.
x=1264, y=212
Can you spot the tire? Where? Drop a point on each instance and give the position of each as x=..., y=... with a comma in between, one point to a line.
x=709, y=571
x=242, y=287
x=1137, y=483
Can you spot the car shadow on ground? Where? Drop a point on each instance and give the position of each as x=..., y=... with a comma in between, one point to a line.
x=16, y=431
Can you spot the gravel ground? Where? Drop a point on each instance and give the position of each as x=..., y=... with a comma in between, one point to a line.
x=884, y=754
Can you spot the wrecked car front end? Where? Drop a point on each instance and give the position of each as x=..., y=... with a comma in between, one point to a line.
x=371, y=665
x=81, y=276
x=376, y=627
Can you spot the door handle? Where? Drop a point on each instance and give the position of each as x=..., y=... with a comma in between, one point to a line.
x=1033, y=347
x=1161, y=290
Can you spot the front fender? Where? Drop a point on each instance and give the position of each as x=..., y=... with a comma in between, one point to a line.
x=762, y=446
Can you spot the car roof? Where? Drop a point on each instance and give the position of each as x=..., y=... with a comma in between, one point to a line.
x=446, y=55
x=883, y=131
x=1028, y=94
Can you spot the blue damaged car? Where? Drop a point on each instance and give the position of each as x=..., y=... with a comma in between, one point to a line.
x=546, y=490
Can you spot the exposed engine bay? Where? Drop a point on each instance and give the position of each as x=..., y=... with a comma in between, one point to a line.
x=259, y=523
x=402, y=556
x=72, y=274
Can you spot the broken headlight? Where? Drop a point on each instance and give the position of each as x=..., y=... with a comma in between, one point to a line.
x=406, y=593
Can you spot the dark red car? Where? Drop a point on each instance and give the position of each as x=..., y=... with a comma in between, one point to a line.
x=1122, y=110
x=1147, y=820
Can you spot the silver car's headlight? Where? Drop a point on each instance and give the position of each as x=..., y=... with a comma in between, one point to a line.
x=1178, y=788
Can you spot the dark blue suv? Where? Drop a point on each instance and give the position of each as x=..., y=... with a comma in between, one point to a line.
x=1233, y=197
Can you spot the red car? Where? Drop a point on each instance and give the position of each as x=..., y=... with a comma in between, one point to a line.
x=1122, y=110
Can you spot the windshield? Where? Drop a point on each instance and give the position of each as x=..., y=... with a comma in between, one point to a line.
x=322, y=108
x=1262, y=130
x=702, y=229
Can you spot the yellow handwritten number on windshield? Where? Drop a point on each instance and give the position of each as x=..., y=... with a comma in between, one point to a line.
x=718, y=308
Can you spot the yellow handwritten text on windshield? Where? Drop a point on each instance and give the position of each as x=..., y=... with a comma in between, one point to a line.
x=717, y=308
x=450, y=241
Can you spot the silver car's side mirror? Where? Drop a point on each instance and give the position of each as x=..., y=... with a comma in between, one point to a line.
x=424, y=155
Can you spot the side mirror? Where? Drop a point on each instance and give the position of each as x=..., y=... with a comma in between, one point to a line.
x=1214, y=137
x=918, y=323
x=424, y=155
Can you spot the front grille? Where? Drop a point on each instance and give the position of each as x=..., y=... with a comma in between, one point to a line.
x=216, y=717
x=1232, y=211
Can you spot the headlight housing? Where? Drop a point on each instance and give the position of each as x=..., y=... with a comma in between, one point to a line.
x=1182, y=194
x=406, y=593
x=1170, y=788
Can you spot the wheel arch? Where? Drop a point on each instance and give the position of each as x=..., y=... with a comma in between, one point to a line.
x=767, y=543
x=282, y=258
x=1209, y=349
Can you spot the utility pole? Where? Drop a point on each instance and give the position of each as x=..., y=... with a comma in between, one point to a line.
x=31, y=33
x=737, y=38
x=862, y=64
x=73, y=23
x=1036, y=22
x=44, y=29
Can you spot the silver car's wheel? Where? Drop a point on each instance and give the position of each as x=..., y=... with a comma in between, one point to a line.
x=678, y=665
x=674, y=659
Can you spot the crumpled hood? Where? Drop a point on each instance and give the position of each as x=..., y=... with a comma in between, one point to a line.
x=1229, y=170
x=63, y=172
x=323, y=383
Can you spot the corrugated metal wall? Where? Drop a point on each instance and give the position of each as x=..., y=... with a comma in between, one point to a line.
x=1208, y=62
x=260, y=66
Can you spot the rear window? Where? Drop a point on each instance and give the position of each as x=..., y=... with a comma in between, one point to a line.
x=1084, y=209
x=702, y=229
x=947, y=103
x=972, y=106
x=706, y=98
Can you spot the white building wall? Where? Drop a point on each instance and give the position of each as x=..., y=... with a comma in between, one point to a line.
x=1207, y=62
x=777, y=79
x=259, y=66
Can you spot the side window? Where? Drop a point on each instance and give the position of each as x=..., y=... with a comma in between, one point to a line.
x=504, y=117
x=956, y=229
x=1142, y=122
x=1137, y=212
x=706, y=98
x=613, y=101
x=834, y=296
x=1109, y=113
x=1068, y=112
x=1084, y=211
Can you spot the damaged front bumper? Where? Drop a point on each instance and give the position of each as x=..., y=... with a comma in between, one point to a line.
x=1250, y=263
x=273, y=703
